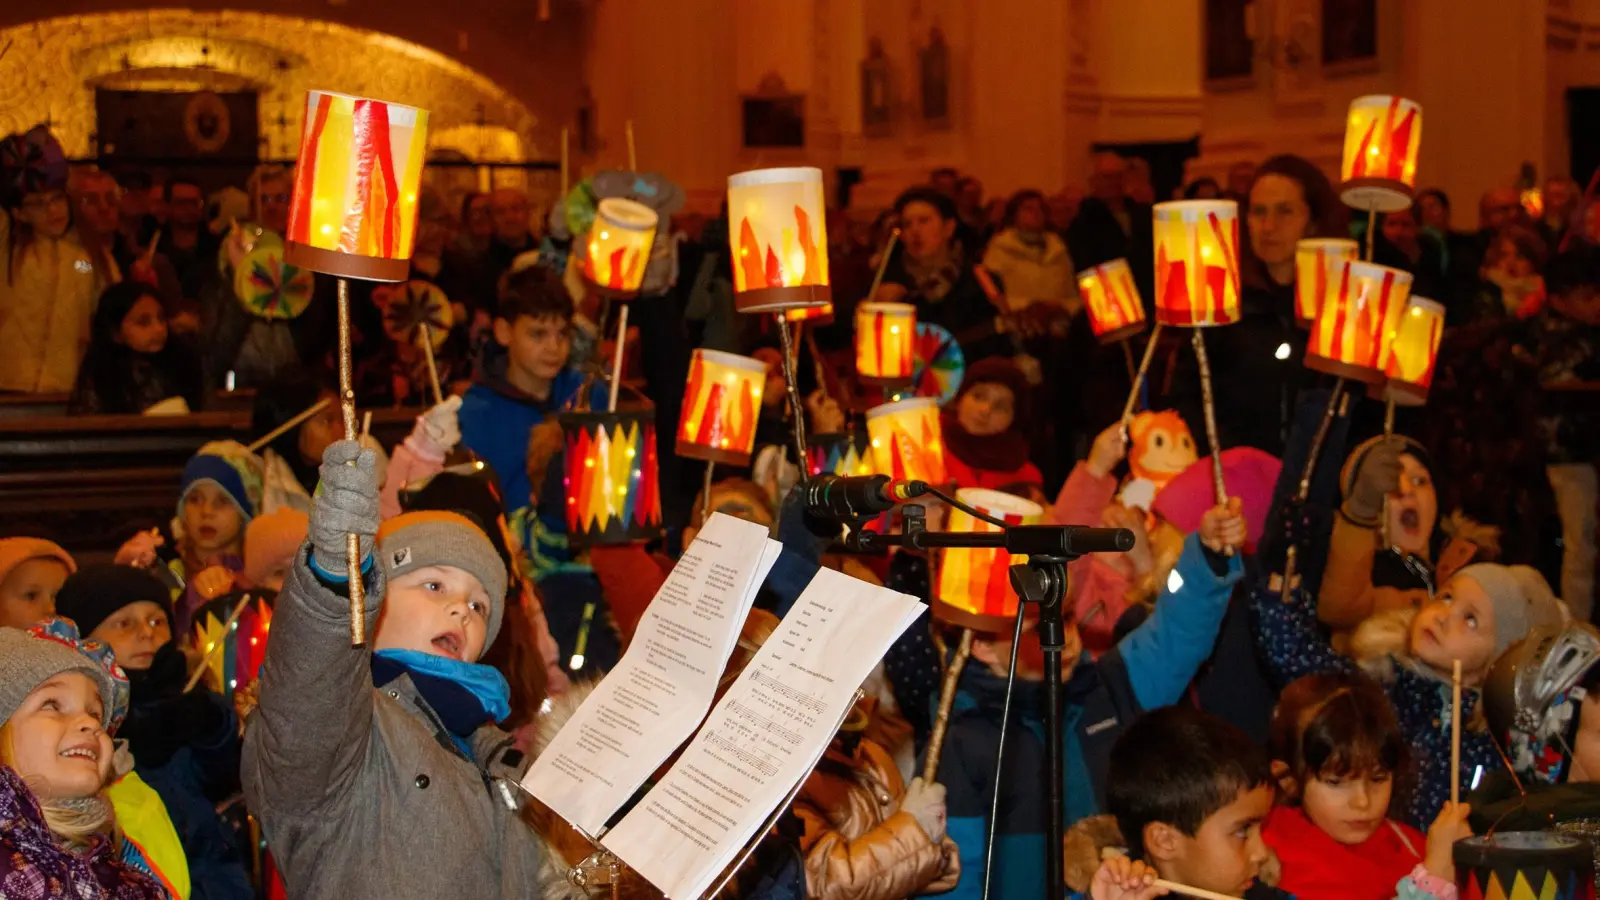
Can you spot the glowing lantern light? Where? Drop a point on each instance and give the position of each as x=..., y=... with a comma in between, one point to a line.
x=823, y=313
x=1382, y=137
x=618, y=249
x=354, y=209
x=1197, y=262
x=779, y=238
x=885, y=334
x=907, y=441
x=720, y=405
x=1316, y=262
x=612, y=476
x=973, y=586
x=1357, y=321
x=1414, y=352
x=1116, y=310
x=844, y=453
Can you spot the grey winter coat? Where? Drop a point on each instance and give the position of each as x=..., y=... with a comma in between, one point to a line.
x=361, y=792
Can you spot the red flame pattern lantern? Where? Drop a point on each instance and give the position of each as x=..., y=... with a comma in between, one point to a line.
x=1116, y=311
x=1382, y=137
x=1197, y=262
x=720, y=405
x=1355, y=327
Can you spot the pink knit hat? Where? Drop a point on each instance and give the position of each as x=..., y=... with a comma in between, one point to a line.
x=270, y=541
x=18, y=550
x=1250, y=475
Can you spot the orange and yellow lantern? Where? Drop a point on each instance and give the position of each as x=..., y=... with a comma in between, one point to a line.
x=778, y=231
x=1382, y=136
x=612, y=476
x=618, y=249
x=823, y=315
x=907, y=442
x=720, y=407
x=885, y=335
x=1357, y=321
x=1414, y=352
x=354, y=209
x=973, y=585
x=1316, y=262
x=1116, y=310
x=1197, y=262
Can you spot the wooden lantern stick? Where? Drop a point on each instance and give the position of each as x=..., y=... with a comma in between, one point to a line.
x=216, y=647
x=787, y=346
x=1127, y=354
x=433, y=367
x=562, y=197
x=705, y=493
x=1304, y=490
x=633, y=158
x=1388, y=432
x=616, y=358
x=299, y=417
x=1372, y=227
x=347, y=405
x=947, y=702
x=1187, y=891
x=1210, y=409
x=150, y=251
x=1455, y=731
x=883, y=262
x=366, y=423
x=1138, y=377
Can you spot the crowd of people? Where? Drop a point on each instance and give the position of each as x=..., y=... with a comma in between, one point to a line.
x=1229, y=726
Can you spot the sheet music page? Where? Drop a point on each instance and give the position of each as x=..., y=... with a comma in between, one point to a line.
x=764, y=736
x=664, y=684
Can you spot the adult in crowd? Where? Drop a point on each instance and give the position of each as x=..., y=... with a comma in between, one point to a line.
x=1107, y=220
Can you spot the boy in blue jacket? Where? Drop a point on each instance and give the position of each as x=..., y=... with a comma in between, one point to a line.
x=1149, y=668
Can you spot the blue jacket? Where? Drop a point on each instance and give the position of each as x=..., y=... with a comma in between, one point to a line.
x=1151, y=667
x=496, y=420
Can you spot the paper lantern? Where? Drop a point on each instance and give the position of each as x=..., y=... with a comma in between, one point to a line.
x=1382, y=135
x=822, y=314
x=354, y=211
x=907, y=442
x=1197, y=262
x=1511, y=865
x=885, y=334
x=720, y=405
x=1116, y=311
x=1414, y=352
x=618, y=249
x=612, y=476
x=1356, y=322
x=841, y=453
x=779, y=236
x=973, y=586
x=1316, y=262
x=233, y=646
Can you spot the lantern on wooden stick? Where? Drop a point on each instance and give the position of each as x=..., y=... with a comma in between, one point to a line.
x=1197, y=262
x=779, y=237
x=1413, y=353
x=612, y=476
x=618, y=247
x=1116, y=310
x=1317, y=261
x=1357, y=321
x=1382, y=137
x=973, y=586
x=885, y=335
x=353, y=214
x=720, y=405
x=907, y=441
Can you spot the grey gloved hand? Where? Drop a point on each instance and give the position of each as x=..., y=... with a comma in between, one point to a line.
x=346, y=503
x=925, y=803
x=1378, y=476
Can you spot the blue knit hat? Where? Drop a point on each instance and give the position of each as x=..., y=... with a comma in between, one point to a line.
x=230, y=466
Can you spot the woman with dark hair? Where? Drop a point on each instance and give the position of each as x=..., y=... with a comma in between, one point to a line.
x=132, y=364
x=934, y=268
x=1031, y=259
x=1256, y=364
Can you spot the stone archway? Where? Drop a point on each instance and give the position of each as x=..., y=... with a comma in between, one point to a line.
x=55, y=65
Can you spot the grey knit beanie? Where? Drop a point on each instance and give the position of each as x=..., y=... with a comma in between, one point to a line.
x=29, y=659
x=1522, y=601
x=438, y=538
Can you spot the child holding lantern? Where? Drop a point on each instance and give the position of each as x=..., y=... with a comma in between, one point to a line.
x=985, y=429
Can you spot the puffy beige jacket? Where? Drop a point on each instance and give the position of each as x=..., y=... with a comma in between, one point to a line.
x=1033, y=274
x=47, y=298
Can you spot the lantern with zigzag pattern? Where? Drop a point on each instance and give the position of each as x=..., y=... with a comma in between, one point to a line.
x=612, y=476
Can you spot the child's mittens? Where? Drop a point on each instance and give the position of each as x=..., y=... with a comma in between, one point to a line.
x=1121, y=878
x=437, y=431
x=925, y=803
x=347, y=503
x=1378, y=477
x=1448, y=827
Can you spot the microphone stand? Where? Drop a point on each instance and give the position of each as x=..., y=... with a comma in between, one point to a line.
x=1042, y=581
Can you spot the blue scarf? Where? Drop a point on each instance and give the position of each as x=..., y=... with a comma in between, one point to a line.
x=465, y=696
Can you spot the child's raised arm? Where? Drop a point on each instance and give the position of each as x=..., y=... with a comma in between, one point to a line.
x=309, y=735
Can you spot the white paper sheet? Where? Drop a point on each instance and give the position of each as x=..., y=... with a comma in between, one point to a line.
x=662, y=687
x=766, y=734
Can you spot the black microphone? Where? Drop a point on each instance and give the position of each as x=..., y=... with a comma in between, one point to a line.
x=851, y=497
x=1067, y=540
